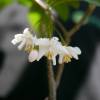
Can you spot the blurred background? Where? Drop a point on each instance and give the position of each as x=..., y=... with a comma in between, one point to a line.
x=20, y=79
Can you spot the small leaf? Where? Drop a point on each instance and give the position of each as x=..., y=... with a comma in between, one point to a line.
x=34, y=18
x=77, y=16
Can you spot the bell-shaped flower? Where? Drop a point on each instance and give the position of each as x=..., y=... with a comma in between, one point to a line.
x=67, y=53
x=74, y=51
x=25, y=40
x=48, y=48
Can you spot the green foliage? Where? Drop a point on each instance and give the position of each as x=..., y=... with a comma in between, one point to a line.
x=62, y=7
x=40, y=21
x=62, y=11
x=27, y=3
x=46, y=26
x=34, y=19
x=96, y=2
x=77, y=16
x=72, y=3
x=4, y=3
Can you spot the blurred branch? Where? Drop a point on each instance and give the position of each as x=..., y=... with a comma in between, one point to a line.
x=88, y=13
x=53, y=15
x=59, y=74
x=60, y=68
x=67, y=36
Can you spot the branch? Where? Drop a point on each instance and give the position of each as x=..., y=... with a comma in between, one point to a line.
x=88, y=13
x=67, y=34
x=59, y=74
x=60, y=68
x=51, y=82
x=54, y=17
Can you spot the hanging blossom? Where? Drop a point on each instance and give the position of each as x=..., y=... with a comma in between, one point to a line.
x=48, y=47
x=27, y=42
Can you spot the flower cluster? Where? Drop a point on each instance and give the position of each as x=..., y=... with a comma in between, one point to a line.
x=49, y=47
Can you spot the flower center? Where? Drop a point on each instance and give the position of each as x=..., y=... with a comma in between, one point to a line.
x=49, y=55
x=67, y=58
x=28, y=48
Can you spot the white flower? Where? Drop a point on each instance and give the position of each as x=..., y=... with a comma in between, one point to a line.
x=74, y=51
x=33, y=55
x=48, y=48
x=25, y=39
x=68, y=53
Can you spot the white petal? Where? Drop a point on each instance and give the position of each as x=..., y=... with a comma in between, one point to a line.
x=77, y=50
x=55, y=38
x=34, y=40
x=63, y=50
x=33, y=55
x=27, y=34
x=14, y=41
x=21, y=45
x=42, y=52
x=74, y=55
x=26, y=30
x=17, y=39
x=54, y=60
x=72, y=52
x=43, y=42
x=18, y=36
x=60, y=60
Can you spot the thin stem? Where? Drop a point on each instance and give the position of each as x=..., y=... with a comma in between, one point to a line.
x=54, y=17
x=59, y=74
x=42, y=4
x=60, y=68
x=67, y=36
x=51, y=82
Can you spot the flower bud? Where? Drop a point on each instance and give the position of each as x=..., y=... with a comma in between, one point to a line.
x=33, y=55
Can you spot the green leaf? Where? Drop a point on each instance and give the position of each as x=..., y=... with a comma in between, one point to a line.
x=27, y=3
x=41, y=23
x=62, y=11
x=77, y=16
x=72, y=3
x=34, y=18
x=46, y=27
x=62, y=7
x=4, y=3
x=96, y=2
